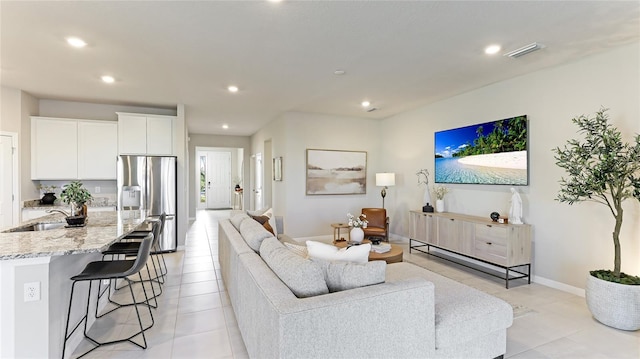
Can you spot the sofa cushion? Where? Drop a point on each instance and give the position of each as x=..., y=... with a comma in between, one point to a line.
x=463, y=314
x=253, y=233
x=297, y=249
x=302, y=276
x=237, y=219
x=345, y=275
x=328, y=252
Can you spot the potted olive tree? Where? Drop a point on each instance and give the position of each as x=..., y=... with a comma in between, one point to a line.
x=606, y=170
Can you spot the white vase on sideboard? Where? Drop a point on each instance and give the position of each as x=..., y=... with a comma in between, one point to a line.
x=440, y=205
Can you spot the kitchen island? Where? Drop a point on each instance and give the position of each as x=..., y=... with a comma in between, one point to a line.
x=32, y=321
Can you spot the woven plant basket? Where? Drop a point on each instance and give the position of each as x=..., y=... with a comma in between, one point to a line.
x=613, y=304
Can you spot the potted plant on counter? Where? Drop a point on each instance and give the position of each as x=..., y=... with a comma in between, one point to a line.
x=48, y=194
x=605, y=170
x=76, y=195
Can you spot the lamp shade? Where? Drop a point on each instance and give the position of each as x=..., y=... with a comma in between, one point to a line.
x=385, y=179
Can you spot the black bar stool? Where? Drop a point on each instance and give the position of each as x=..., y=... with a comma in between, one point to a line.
x=116, y=269
x=128, y=249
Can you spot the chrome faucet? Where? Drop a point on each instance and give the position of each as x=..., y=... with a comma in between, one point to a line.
x=58, y=210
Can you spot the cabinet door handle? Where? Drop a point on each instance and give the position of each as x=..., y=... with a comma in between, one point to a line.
x=488, y=225
x=489, y=243
x=451, y=219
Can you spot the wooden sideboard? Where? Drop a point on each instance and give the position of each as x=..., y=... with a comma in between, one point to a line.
x=506, y=246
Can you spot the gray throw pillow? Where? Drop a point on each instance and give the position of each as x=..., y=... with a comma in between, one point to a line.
x=302, y=276
x=347, y=275
x=253, y=233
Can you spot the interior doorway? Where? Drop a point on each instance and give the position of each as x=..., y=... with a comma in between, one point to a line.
x=257, y=171
x=9, y=209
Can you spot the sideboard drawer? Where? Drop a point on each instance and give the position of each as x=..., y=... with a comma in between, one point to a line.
x=491, y=251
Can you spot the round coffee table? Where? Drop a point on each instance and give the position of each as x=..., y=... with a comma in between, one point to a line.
x=392, y=256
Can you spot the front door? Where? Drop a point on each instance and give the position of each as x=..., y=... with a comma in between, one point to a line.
x=218, y=179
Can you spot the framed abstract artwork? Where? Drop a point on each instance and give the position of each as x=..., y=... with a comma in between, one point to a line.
x=332, y=172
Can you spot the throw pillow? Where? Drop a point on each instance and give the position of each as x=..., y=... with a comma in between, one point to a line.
x=356, y=254
x=297, y=249
x=344, y=275
x=253, y=233
x=272, y=220
x=264, y=221
x=304, y=277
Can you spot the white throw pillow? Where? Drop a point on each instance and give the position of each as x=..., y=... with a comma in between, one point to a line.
x=328, y=252
x=272, y=220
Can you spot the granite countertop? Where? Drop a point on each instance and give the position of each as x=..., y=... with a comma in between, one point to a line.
x=102, y=229
x=58, y=204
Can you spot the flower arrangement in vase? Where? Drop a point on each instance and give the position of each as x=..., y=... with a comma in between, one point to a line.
x=440, y=192
x=356, y=235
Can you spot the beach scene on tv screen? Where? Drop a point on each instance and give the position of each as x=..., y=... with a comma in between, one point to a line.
x=487, y=153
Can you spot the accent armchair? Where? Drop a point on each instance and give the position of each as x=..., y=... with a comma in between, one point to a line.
x=378, y=225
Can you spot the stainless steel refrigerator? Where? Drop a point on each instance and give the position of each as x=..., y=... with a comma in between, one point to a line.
x=149, y=183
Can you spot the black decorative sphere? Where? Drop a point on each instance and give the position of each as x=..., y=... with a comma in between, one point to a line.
x=494, y=216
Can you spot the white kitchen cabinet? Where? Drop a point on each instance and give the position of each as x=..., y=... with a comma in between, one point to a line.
x=97, y=149
x=54, y=148
x=140, y=134
x=68, y=149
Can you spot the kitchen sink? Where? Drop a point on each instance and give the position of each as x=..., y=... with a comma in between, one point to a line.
x=37, y=227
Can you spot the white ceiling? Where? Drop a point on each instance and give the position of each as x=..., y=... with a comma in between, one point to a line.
x=397, y=54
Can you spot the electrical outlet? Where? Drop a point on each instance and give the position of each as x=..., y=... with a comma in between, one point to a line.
x=97, y=189
x=32, y=292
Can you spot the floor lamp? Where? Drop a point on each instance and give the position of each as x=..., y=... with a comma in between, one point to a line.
x=385, y=180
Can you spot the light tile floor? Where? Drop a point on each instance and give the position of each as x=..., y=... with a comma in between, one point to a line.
x=195, y=319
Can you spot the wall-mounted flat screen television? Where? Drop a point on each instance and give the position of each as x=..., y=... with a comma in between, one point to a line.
x=487, y=153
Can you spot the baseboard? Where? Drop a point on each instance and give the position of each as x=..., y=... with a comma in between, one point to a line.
x=557, y=285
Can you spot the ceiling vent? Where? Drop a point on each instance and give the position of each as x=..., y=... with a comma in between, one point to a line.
x=524, y=50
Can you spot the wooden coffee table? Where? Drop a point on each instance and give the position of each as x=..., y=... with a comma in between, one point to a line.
x=392, y=256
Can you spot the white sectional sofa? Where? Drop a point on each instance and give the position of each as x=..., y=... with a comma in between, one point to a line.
x=415, y=313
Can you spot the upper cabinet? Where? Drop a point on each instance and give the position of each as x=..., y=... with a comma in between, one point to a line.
x=97, y=149
x=140, y=134
x=63, y=149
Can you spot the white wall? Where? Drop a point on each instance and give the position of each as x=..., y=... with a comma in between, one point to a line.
x=95, y=111
x=291, y=135
x=568, y=240
x=17, y=107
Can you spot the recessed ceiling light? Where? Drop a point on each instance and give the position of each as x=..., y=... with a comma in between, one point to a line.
x=225, y=126
x=339, y=72
x=492, y=49
x=108, y=79
x=274, y=0
x=365, y=103
x=232, y=88
x=76, y=42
